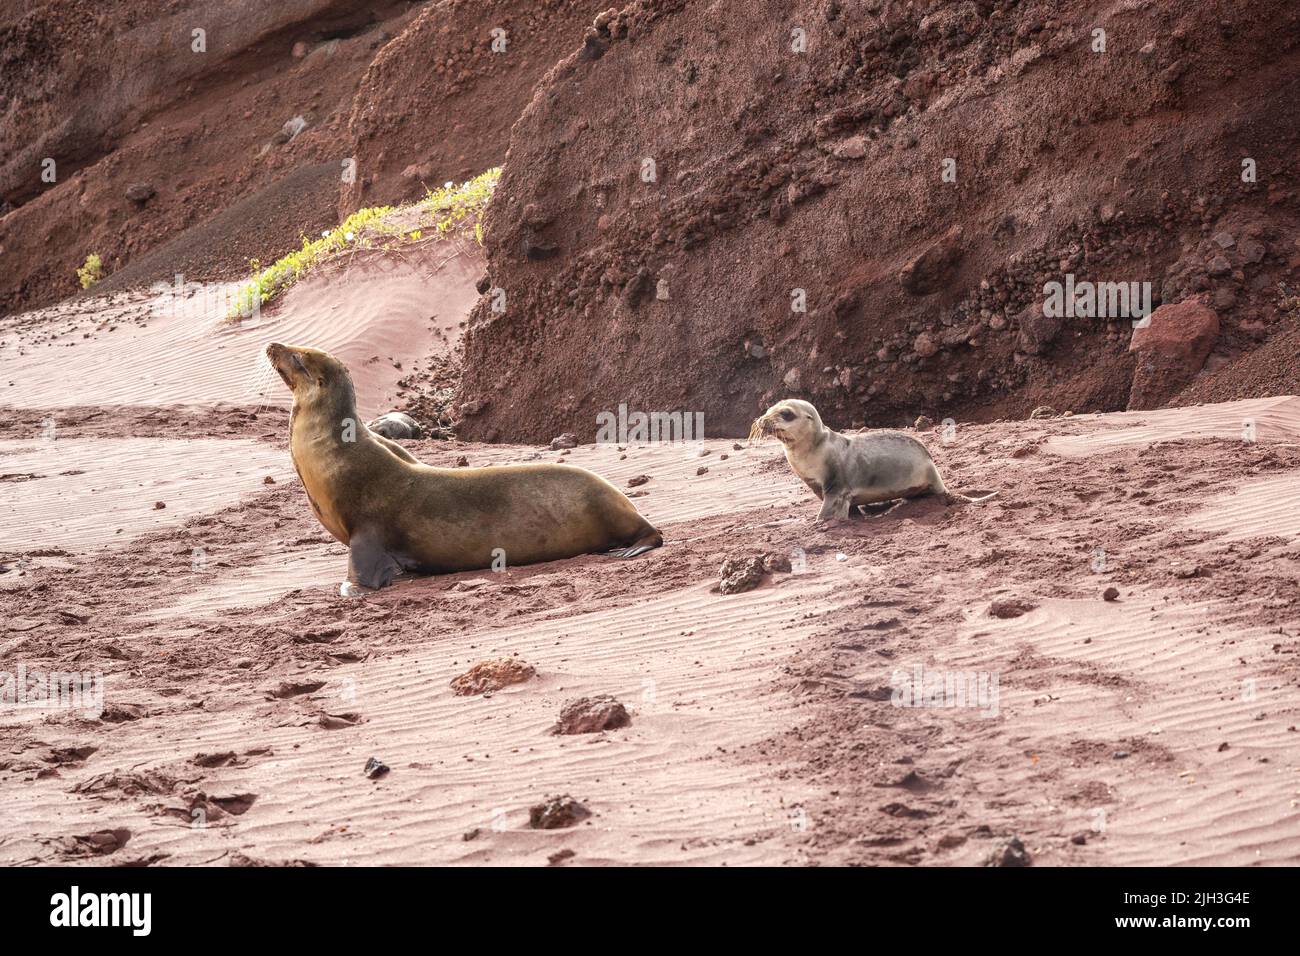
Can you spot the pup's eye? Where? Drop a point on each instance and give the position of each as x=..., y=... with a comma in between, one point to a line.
x=787, y=416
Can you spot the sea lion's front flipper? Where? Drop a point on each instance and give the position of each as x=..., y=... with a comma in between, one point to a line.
x=835, y=506
x=369, y=565
x=395, y=448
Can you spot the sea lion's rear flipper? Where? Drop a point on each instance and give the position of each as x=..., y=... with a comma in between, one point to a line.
x=647, y=542
x=369, y=565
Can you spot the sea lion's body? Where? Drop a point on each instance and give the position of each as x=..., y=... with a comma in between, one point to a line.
x=847, y=472
x=396, y=514
x=882, y=466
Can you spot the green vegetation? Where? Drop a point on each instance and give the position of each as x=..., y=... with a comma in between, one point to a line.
x=274, y=279
x=450, y=211
x=91, y=272
x=454, y=206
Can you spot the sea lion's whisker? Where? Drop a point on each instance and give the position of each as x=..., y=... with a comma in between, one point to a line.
x=263, y=376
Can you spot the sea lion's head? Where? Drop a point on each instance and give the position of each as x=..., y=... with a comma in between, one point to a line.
x=793, y=421
x=314, y=376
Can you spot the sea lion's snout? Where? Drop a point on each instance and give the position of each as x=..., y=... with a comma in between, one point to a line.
x=285, y=361
x=761, y=428
x=785, y=421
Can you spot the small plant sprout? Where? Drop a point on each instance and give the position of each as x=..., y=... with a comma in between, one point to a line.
x=91, y=272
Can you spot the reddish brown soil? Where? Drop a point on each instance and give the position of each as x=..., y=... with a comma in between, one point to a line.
x=1271, y=369
x=438, y=102
x=270, y=700
x=1143, y=566
x=113, y=93
x=166, y=421
x=820, y=171
x=901, y=791
x=775, y=171
x=259, y=226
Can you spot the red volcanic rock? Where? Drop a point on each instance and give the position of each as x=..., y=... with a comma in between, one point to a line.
x=590, y=715
x=1171, y=350
x=557, y=813
x=1011, y=607
x=489, y=676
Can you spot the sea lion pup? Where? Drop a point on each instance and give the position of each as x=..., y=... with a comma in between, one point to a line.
x=396, y=514
x=848, y=472
x=396, y=425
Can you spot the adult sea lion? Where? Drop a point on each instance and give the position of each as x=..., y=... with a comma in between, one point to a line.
x=396, y=514
x=847, y=472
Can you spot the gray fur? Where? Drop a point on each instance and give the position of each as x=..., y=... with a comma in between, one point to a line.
x=850, y=472
x=396, y=425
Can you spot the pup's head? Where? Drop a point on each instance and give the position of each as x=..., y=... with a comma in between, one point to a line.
x=310, y=373
x=793, y=421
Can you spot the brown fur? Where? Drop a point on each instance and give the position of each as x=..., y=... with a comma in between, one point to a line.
x=397, y=514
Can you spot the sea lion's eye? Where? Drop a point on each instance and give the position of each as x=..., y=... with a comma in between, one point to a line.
x=787, y=416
